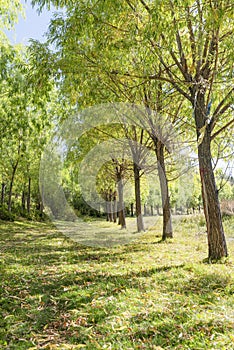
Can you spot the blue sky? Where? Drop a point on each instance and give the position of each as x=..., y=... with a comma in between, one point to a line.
x=32, y=26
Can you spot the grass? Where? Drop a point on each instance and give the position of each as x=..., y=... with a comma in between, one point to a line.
x=58, y=294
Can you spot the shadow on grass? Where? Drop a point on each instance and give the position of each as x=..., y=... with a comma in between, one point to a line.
x=32, y=247
x=176, y=330
x=44, y=300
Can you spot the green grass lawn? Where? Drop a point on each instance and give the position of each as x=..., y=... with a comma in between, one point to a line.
x=58, y=294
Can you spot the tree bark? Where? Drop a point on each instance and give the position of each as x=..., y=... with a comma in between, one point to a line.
x=40, y=206
x=140, y=223
x=145, y=210
x=110, y=207
x=3, y=193
x=114, y=207
x=217, y=247
x=23, y=206
x=121, y=212
x=157, y=209
x=167, y=219
x=131, y=210
x=107, y=205
x=29, y=196
x=11, y=186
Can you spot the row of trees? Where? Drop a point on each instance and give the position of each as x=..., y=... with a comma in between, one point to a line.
x=149, y=52
x=174, y=59
x=28, y=112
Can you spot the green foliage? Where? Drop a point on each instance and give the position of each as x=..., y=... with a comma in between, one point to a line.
x=25, y=125
x=225, y=185
x=9, y=12
x=82, y=209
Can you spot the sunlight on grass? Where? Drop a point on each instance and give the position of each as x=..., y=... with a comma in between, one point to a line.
x=58, y=294
x=103, y=233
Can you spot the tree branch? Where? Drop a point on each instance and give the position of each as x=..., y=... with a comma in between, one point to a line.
x=172, y=81
x=213, y=73
x=222, y=129
x=191, y=35
x=183, y=61
x=145, y=6
x=219, y=109
x=213, y=49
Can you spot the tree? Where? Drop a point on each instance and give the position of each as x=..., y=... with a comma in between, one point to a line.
x=197, y=46
x=98, y=54
x=25, y=124
x=185, y=44
x=192, y=41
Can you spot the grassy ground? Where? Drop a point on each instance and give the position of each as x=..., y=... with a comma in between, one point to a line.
x=57, y=294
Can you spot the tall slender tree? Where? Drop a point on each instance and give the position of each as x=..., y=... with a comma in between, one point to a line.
x=192, y=43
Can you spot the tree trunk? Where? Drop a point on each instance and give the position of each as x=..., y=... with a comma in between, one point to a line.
x=3, y=193
x=131, y=209
x=152, y=210
x=40, y=206
x=157, y=209
x=111, y=206
x=167, y=220
x=217, y=247
x=140, y=224
x=121, y=212
x=107, y=206
x=23, y=206
x=11, y=186
x=114, y=207
x=29, y=196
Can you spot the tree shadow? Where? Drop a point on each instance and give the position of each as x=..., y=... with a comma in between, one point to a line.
x=45, y=295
